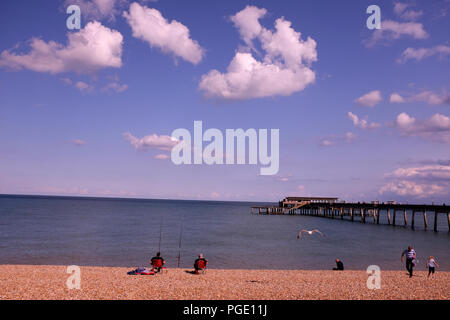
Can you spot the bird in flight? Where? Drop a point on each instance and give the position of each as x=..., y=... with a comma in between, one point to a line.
x=308, y=232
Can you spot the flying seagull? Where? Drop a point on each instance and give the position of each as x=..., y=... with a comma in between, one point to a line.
x=308, y=232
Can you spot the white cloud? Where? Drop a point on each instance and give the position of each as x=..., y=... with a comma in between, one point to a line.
x=430, y=98
x=80, y=85
x=402, y=10
x=247, y=22
x=392, y=30
x=362, y=123
x=422, y=53
x=411, y=188
x=92, y=48
x=83, y=86
x=435, y=128
x=428, y=172
x=165, y=143
x=426, y=96
x=284, y=69
x=149, y=25
x=396, y=98
x=370, y=99
x=424, y=181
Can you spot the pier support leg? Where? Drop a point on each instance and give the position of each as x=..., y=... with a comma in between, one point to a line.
x=389, y=215
x=425, y=222
x=378, y=216
x=393, y=218
x=351, y=214
x=404, y=218
x=435, y=221
x=412, y=219
x=448, y=221
x=342, y=213
x=363, y=217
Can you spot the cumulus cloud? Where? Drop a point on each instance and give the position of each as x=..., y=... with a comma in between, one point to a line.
x=370, y=99
x=404, y=11
x=362, y=123
x=92, y=48
x=396, y=98
x=284, y=69
x=433, y=172
x=422, y=53
x=420, y=182
x=426, y=96
x=172, y=37
x=165, y=143
x=247, y=23
x=411, y=188
x=392, y=30
x=435, y=128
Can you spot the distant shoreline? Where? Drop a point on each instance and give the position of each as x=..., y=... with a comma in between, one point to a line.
x=49, y=282
x=79, y=197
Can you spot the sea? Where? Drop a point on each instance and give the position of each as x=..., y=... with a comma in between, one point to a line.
x=46, y=230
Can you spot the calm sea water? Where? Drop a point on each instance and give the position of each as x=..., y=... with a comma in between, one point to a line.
x=126, y=232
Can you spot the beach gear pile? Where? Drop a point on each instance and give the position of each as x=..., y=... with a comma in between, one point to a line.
x=141, y=271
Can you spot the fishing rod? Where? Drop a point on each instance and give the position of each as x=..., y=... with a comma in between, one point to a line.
x=179, y=244
x=160, y=234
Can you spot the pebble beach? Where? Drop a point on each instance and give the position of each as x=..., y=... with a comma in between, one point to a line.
x=19, y=282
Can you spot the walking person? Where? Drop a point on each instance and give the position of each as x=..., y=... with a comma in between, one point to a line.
x=431, y=265
x=410, y=254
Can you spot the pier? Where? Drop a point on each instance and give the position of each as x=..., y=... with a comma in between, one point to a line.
x=332, y=208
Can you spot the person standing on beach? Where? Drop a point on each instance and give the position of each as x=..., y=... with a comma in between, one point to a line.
x=410, y=254
x=431, y=265
x=157, y=262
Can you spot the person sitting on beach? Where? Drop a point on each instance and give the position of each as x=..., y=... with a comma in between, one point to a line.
x=157, y=262
x=339, y=265
x=431, y=265
x=410, y=254
x=200, y=264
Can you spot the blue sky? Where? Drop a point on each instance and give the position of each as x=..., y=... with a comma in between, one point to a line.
x=64, y=111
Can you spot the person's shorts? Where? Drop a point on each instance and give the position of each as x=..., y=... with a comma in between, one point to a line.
x=431, y=269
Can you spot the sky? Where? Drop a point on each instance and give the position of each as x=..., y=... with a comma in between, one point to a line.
x=363, y=114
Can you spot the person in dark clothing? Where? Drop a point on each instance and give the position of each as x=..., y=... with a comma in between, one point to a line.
x=200, y=264
x=157, y=262
x=339, y=265
x=410, y=254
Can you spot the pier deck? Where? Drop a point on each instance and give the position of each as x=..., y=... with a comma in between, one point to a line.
x=395, y=213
